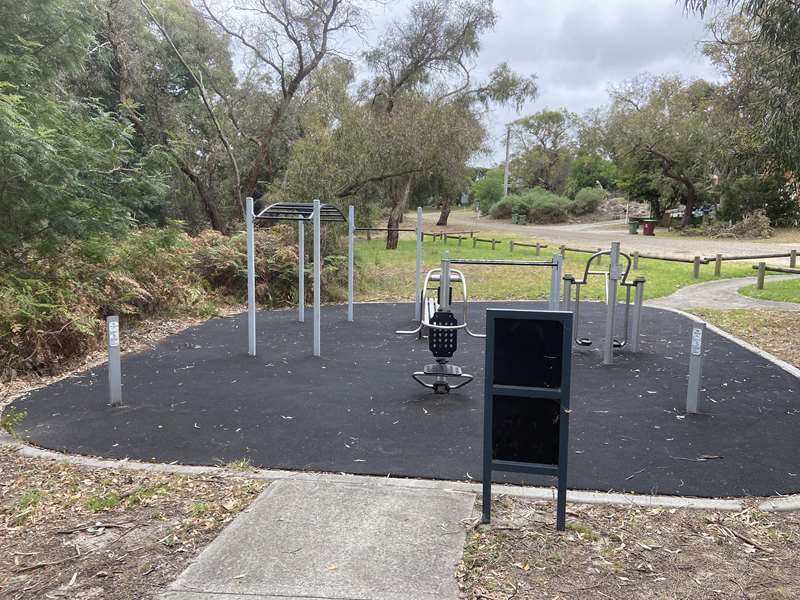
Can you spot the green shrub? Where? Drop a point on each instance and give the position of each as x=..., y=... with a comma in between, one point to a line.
x=545, y=207
x=488, y=190
x=587, y=200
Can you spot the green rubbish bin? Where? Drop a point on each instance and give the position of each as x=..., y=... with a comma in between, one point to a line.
x=633, y=227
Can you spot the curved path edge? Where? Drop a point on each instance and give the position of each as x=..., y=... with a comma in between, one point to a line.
x=723, y=294
x=778, y=504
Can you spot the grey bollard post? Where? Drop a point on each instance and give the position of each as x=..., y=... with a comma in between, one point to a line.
x=718, y=265
x=696, y=267
x=636, y=260
x=555, y=282
x=636, y=324
x=251, y=278
x=695, y=367
x=114, y=366
x=611, y=312
x=351, y=226
x=793, y=259
x=762, y=270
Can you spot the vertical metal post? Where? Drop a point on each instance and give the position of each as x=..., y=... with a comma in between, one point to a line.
x=567, y=298
x=555, y=282
x=762, y=270
x=638, y=300
x=418, y=272
x=696, y=267
x=613, y=278
x=505, y=170
x=114, y=366
x=793, y=259
x=695, y=367
x=251, y=277
x=301, y=271
x=444, y=284
x=351, y=227
x=718, y=265
x=317, y=269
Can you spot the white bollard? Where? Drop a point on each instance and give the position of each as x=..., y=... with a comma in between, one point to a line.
x=695, y=368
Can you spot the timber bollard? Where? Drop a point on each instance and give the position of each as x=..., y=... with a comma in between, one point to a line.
x=474, y=242
x=600, y=258
x=636, y=260
x=762, y=270
x=563, y=250
x=494, y=241
x=793, y=259
x=718, y=265
x=696, y=267
x=538, y=248
x=511, y=245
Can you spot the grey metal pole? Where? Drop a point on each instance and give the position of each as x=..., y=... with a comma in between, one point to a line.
x=567, y=299
x=351, y=226
x=114, y=366
x=762, y=270
x=418, y=271
x=317, y=269
x=301, y=271
x=695, y=367
x=638, y=300
x=505, y=171
x=251, y=278
x=555, y=282
x=613, y=277
x=444, y=284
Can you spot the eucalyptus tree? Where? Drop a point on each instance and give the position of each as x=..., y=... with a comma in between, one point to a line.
x=544, y=146
x=667, y=125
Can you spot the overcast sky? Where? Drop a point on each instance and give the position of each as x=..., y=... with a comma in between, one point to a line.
x=577, y=48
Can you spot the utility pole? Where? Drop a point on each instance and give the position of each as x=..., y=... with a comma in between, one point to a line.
x=505, y=174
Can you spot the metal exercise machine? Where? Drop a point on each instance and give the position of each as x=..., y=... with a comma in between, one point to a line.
x=613, y=279
x=438, y=320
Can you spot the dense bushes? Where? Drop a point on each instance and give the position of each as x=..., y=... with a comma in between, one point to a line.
x=540, y=206
x=52, y=311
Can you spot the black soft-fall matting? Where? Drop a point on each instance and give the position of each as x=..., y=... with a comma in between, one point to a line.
x=199, y=399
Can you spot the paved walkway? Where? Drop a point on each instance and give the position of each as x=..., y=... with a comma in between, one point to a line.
x=322, y=540
x=723, y=294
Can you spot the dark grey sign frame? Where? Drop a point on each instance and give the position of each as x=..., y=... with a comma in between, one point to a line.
x=561, y=395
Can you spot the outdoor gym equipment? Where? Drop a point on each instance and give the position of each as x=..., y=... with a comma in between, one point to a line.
x=437, y=317
x=301, y=212
x=612, y=279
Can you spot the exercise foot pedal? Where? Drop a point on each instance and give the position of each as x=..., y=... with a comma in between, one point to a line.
x=444, y=377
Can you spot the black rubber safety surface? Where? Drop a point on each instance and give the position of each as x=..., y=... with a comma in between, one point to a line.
x=199, y=399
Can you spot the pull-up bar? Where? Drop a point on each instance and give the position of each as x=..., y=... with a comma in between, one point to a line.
x=301, y=212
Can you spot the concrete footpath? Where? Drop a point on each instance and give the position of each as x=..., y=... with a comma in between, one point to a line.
x=317, y=540
x=723, y=295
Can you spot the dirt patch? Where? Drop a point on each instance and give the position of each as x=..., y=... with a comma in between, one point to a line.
x=775, y=332
x=621, y=553
x=79, y=533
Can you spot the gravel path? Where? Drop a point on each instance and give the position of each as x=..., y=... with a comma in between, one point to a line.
x=594, y=235
x=723, y=295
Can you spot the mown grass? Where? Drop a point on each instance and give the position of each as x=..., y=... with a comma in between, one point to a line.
x=389, y=274
x=787, y=290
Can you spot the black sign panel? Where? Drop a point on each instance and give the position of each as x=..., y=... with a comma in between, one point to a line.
x=526, y=405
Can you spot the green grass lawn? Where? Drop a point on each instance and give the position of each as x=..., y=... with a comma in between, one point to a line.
x=787, y=290
x=389, y=274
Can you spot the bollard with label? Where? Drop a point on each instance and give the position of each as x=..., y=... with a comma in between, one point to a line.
x=695, y=367
x=114, y=366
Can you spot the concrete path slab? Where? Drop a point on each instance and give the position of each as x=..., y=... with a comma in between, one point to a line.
x=315, y=540
x=723, y=294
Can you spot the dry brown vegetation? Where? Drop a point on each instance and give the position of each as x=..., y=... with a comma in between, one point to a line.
x=775, y=332
x=77, y=533
x=626, y=553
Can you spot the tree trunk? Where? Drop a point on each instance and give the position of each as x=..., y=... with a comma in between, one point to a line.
x=210, y=208
x=446, y=203
x=691, y=199
x=399, y=192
